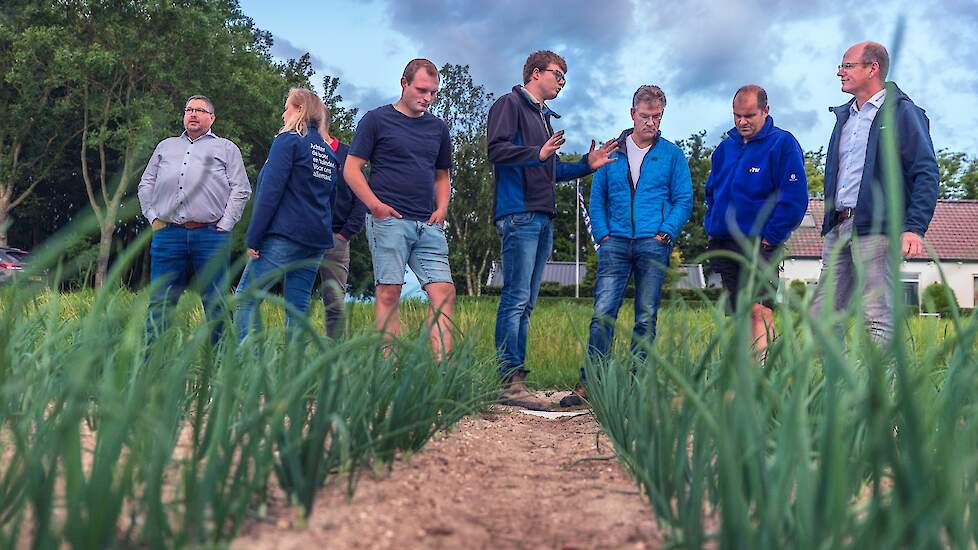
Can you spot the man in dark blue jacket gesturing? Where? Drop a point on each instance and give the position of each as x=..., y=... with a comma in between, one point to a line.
x=855, y=216
x=637, y=209
x=756, y=195
x=522, y=149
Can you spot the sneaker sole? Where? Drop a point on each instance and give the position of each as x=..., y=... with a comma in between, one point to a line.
x=530, y=405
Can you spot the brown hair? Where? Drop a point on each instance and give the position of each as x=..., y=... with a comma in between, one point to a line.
x=873, y=51
x=310, y=113
x=540, y=61
x=757, y=91
x=647, y=93
x=419, y=63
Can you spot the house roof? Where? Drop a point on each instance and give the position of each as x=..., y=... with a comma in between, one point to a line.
x=553, y=272
x=953, y=232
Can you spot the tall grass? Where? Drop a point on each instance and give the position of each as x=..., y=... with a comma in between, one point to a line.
x=107, y=439
x=835, y=442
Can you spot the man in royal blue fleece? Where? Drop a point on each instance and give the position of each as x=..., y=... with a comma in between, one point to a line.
x=856, y=215
x=522, y=148
x=637, y=208
x=756, y=195
x=410, y=154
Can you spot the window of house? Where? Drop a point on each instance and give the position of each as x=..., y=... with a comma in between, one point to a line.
x=911, y=288
x=975, y=303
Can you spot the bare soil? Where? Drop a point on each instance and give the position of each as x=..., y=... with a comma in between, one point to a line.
x=500, y=480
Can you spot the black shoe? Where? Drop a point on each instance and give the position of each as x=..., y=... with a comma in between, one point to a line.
x=576, y=398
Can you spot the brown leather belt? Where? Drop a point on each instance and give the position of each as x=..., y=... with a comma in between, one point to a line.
x=191, y=225
x=844, y=214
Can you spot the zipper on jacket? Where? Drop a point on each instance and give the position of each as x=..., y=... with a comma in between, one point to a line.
x=631, y=187
x=634, y=184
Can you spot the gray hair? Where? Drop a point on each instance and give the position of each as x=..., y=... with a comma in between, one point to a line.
x=205, y=99
x=648, y=93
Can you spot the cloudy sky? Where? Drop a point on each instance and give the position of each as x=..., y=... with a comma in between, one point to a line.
x=698, y=51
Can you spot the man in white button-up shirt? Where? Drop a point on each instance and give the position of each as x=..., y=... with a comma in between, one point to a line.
x=856, y=215
x=192, y=192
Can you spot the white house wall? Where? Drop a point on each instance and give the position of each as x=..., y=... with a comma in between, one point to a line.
x=959, y=275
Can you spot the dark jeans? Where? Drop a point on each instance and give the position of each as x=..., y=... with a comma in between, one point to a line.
x=172, y=251
x=618, y=259
x=333, y=273
x=527, y=240
x=735, y=276
x=282, y=260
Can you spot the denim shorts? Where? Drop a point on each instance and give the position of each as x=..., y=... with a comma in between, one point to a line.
x=396, y=242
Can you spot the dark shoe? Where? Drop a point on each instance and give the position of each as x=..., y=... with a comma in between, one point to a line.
x=576, y=398
x=515, y=393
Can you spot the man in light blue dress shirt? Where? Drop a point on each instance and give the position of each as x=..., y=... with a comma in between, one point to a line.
x=192, y=192
x=856, y=216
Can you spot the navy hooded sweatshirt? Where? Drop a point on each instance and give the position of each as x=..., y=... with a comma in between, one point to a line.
x=918, y=175
x=518, y=127
x=294, y=193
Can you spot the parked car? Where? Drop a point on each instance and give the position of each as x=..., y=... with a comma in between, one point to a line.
x=11, y=262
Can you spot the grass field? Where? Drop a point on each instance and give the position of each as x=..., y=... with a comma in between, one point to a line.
x=109, y=440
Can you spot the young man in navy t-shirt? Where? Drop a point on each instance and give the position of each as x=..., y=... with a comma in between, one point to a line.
x=410, y=155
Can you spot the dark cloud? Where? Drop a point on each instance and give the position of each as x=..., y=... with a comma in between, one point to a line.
x=697, y=50
x=284, y=49
x=494, y=38
x=728, y=45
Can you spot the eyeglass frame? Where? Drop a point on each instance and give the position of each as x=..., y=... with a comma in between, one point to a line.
x=187, y=110
x=558, y=74
x=850, y=66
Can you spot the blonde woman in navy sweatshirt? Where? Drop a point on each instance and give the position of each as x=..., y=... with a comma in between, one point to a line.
x=291, y=220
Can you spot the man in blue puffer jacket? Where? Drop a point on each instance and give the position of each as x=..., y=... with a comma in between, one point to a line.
x=756, y=195
x=637, y=209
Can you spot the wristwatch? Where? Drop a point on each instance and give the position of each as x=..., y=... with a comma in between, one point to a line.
x=664, y=237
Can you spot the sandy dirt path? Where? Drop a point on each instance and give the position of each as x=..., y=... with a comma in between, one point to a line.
x=500, y=480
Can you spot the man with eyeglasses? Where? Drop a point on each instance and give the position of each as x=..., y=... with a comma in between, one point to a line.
x=856, y=212
x=756, y=195
x=192, y=192
x=522, y=147
x=637, y=209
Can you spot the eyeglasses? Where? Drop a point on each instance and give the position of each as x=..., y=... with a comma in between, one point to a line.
x=851, y=66
x=561, y=77
x=647, y=118
x=195, y=110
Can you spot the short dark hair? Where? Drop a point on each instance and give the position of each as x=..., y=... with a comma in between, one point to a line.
x=420, y=63
x=540, y=61
x=758, y=92
x=205, y=99
x=648, y=93
x=873, y=51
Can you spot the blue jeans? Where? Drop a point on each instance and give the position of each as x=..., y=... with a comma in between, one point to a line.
x=527, y=240
x=172, y=251
x=280, y=259
x=618, y=259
